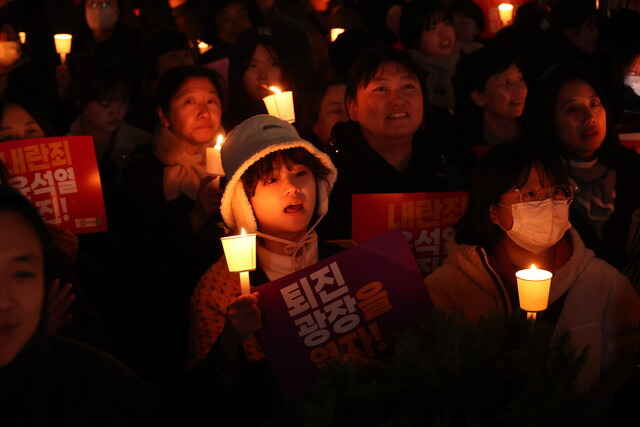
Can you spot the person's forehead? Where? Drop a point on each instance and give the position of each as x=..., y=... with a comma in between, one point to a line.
x=389, y=70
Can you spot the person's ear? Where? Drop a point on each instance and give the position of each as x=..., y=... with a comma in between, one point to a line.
x=493, y=214
x=478, y=98
x=352, y=109
x=163, y=120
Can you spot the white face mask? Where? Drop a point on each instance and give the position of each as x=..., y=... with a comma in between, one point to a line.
x=9, y=53
x=633, y=82
x=101, y=18
x=537, y=229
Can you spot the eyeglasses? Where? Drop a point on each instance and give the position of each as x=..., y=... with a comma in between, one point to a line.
x=532, y=197
x=102, y=4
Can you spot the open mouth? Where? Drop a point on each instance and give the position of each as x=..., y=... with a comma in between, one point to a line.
x=445, y=44
x=294, y=208
x=395, y=116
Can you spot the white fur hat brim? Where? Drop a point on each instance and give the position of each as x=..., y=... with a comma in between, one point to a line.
x=249, y=142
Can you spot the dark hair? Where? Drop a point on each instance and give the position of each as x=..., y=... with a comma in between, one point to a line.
x=470, y=9
x=540, y=118
x=100, y=77
x=418, y=16
x=502, y=168
x=4, y=174
x=246, y=46
x=173, y=79
x=572, y=14
x=158, y=42
x=476, y=68
x=265, y=168
x=370, y=63
x=311, y=108
x=33, y=112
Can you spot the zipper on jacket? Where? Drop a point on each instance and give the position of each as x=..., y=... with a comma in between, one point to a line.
x=498, y=282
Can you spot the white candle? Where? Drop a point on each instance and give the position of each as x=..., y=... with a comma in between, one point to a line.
x=214, y=162
x=335, y=32
x=23, y=37
x=533, y=288
x=63, y=45
x=245, y=286
x=506, y=13
x=203, y=47
x=280, y=104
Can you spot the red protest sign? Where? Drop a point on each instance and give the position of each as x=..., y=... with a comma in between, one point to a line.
x=60, y=176
x=426, y=220
x=631, y=141
x=348, y=306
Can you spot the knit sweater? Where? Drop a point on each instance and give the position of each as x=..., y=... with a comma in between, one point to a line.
x=601, y=310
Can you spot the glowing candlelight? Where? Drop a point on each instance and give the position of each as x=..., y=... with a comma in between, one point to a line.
x=23, y=37
x=63, y=45
x=203, y=47
x=335, y=32
x=533, y=290
x=506, y=13
x=240, y=252
x=280, y=104
x=214, y=162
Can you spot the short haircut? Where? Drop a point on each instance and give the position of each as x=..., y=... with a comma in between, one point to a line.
x=470, y=9
x=372, y=61
x=540, y=120
x=418, y=16
x=100, y=77
x=173, y=79
x=502, y=168
x=476, y=68
x=265, y=168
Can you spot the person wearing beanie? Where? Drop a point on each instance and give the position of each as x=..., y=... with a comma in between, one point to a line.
x=278, y=187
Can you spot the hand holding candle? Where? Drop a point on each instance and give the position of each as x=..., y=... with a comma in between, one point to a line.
x=280, y=104
x=533, y=289
x=63, y=45
x=240, y=252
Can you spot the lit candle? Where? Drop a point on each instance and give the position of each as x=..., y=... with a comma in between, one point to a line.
x=23, y=37
x=214, y=163
x=203, y=47
x=533, y=289
x=506, y=13
x=280, y=104
x=63, y=45
x=335, y=32
x=240, y=252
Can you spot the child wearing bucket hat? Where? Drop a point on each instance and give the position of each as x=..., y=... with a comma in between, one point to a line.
x=278, y=187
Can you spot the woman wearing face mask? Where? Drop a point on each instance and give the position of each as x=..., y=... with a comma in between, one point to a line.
x=570, y=114
x=518, y=215
x=102, y=30
x=623, y=89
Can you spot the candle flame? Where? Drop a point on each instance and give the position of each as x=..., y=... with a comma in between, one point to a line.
x=23, y=37
x=203, y=45
x=505, y=6
x=274, y=89
x=533, y=267
x=219, y=142
x=242, y=232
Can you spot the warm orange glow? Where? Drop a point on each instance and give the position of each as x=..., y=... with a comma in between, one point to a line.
x=203, y=47
x=335, y=32
x=219, y=142
x=274, y=89
x=23, y=37
x=506, y=13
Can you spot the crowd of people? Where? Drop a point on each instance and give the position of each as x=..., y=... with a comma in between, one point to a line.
x=145, y=323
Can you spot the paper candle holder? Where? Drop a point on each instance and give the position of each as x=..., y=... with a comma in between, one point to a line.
x=335, y=32
x=280, y=104
x=203, y=47
x=214, y=162
x=240, y=252
x=533, y=289
x=506, y=13
x=63, y=45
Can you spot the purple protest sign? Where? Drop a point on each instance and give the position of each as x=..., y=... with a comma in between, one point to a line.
x=348, y=306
